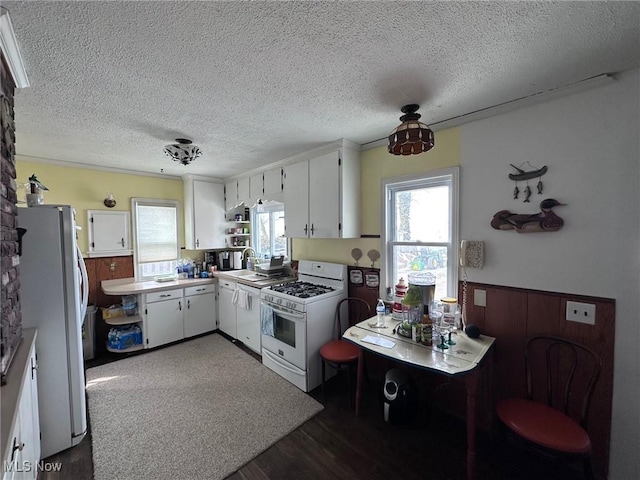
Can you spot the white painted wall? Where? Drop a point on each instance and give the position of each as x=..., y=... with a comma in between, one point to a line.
x=590, y=142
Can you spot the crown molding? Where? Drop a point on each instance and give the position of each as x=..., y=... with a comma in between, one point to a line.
x=516, y=104
x=10, y=50
x=343, y=143
x=87, y=166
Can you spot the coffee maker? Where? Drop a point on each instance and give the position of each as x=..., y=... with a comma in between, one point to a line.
x=224, y=260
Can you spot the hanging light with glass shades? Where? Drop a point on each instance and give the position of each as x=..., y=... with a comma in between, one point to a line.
x=411, y=137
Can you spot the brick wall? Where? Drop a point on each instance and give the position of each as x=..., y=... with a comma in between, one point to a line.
x=11, y=318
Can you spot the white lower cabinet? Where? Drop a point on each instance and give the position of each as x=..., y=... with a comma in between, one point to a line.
x=248, y=319
x=200, y=313
x=22, y=451
x=164, y=317
x=226, y=308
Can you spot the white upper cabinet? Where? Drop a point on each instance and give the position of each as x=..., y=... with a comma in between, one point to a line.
x=231, y=194
x=203, y=214
x=109, y=233
x=273, y=184
x=322, y=196
x=256, y=187
x=244, y=195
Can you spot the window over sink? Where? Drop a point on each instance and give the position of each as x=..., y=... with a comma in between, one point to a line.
x=267, y=229
x=156, y=249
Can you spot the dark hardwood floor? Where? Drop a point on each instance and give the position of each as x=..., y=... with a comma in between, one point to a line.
x=336, y=444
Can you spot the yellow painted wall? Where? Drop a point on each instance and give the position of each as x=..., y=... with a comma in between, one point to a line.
x=377, y=164
x=85, y=189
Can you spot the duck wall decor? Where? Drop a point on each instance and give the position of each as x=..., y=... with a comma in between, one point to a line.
x=544, y=221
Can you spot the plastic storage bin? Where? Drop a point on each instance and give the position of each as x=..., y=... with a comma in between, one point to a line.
x=121, y=338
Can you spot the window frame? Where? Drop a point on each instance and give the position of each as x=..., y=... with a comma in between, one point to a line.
x=155, y=202
x=446, y=176
x=270, y=209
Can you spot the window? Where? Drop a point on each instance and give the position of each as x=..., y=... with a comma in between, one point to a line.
x=268, y=231
x=420, y=229
x=156, y=250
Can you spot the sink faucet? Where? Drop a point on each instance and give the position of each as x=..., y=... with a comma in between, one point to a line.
x=243, y=255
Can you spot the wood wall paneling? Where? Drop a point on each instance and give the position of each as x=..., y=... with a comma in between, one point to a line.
x=99, y=269
x=513, y=314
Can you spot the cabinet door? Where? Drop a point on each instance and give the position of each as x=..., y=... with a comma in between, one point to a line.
x=231, y=194
x=164, y=322
x=324, y=196
x=200, y=316
x=227, y=311
x=244, y=194
x=256, y=187
x=109, y=233
x=296, y=200
x=272, y=182
x=248, y=321
x=208, y=215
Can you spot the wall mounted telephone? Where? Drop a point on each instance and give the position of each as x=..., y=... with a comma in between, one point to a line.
x=471, y=253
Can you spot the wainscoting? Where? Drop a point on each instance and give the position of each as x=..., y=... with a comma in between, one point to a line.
x=511, y=315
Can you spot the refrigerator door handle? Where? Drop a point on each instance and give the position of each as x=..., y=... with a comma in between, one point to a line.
x=85, y=284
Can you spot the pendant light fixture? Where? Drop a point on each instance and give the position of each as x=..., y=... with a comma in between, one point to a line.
x=411, y=137
x=183, y=151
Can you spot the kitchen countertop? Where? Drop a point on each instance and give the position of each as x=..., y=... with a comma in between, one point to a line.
x=128, y=286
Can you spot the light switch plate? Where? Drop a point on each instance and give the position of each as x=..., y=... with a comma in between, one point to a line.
x=581, y=313
x=480, y=298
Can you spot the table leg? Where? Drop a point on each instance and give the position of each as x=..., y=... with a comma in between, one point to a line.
x=359, y=380
x=471, y=383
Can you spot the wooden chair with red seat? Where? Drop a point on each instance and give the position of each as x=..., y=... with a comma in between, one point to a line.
x=339, y=353
x=553, y=422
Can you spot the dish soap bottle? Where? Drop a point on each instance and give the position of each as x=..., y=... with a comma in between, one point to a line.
x=380, y=311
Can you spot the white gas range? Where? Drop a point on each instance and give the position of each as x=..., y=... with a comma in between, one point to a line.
x=298, y=318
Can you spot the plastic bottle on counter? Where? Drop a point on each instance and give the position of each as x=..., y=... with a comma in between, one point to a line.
x=380, y=311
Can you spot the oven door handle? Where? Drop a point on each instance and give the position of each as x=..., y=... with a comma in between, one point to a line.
x=286, y=314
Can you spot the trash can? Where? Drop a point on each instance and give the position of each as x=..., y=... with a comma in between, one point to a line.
x=89, y=332
x=400, y=396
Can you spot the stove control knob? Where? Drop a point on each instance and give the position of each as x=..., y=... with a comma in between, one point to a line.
x=279, y=301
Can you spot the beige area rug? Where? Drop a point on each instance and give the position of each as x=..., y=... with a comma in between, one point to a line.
x=196, y=410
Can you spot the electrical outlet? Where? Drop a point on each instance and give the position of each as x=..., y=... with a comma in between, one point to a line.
x=581, y=312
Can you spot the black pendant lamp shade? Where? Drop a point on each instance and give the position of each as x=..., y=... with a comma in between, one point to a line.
x=411, y=137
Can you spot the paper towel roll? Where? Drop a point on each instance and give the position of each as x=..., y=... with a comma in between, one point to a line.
x=237, y=260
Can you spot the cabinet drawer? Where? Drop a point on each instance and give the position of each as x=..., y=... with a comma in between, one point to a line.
x=199, y=290
x=227, y=284
x=165, y=295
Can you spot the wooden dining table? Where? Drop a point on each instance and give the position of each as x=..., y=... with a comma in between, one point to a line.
x=464, y=360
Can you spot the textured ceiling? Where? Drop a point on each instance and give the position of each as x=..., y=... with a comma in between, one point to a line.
x=252, y=83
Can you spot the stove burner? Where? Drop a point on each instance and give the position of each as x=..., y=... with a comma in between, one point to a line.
x=302, y=289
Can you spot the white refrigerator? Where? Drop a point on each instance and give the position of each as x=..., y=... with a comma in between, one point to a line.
x=53, y=297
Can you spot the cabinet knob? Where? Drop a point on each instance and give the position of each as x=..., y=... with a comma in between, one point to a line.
x=180, y=305
x=197, y=242
x=305, y=229
x=189, y=303
x=312, y=229
x=122, y=242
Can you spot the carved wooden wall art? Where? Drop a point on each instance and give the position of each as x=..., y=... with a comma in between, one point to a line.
x=544, y=221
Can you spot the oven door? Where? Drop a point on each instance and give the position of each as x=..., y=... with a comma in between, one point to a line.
x=289, y=337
